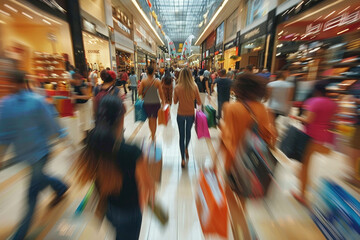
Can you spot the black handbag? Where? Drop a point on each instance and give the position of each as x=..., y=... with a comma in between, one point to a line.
x=294, y=143
x=254, y=164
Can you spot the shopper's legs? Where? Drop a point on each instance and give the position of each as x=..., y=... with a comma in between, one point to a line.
x=152, y=126
x=220, y=103
x=124, y=84
x=37, y=183
x=181, y=126
x=133, y=95
x=189, y=123
x=135, y=91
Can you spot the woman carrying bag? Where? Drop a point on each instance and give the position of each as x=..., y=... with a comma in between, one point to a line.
x=118, y=169
x=249, y=90
x=186, y=92
x=152, y=93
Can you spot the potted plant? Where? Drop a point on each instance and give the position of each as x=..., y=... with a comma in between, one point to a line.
x=221, y=59
x=234, y=57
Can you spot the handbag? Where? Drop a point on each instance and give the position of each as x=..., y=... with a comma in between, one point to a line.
x=164, y=115
x=252, y=171
x=140, y=113
x=210, y=113
x=294, y=143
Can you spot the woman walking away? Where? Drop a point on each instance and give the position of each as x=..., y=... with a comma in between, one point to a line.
x=133, y=86
x=108, y=87
x=249, y=90
x=167, y=87
x=151, y=91
x=186, y=92
x=117, y=168
x=319, y=112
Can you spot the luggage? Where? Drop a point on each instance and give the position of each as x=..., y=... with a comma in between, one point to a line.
x=164, y=115
x=210, y=113
x=140, y=114
x=294, y=143
x=201, y=125
x=252, y=171
x=211, y=205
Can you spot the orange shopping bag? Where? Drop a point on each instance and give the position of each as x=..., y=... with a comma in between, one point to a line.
x=164, y=115
x=211, y=205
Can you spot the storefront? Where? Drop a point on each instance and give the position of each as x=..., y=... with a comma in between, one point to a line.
x=124, y=45
x=97, y=48
x=231, y=58
x=209, y=51
x=253, y=46
x=39, y=41
x=218, y=50
x=318, y=38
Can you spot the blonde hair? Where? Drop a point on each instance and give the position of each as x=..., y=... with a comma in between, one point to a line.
x=186, y=79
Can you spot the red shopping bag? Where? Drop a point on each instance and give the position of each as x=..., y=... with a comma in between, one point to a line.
x=64, y=107
x=164, y=115
x=211, y=205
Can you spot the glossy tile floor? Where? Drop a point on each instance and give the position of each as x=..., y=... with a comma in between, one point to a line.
x=278, y=216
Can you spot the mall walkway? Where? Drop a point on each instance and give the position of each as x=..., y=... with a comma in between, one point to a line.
x=279, y=216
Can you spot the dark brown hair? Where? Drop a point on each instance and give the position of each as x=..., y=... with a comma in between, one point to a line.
x=249, y=87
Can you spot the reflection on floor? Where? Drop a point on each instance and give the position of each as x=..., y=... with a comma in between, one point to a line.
x=278, y=216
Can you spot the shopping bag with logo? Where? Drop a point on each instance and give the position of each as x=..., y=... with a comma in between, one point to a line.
x=210, y=113
x=201, y=125
x=164, y=115
x=211, y=205
x=252, y=171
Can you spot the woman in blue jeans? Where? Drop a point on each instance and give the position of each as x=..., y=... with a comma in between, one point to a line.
x=117, y=168
x=185, y=93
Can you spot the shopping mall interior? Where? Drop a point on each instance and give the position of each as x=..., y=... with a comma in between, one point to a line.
x=180, y=119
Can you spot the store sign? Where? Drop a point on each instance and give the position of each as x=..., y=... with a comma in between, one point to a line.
x=253, y=34
x=89, y=26
x=123, y=27
x=229, y=45
x=93, y=51
x=53, y=4
x=340, y=21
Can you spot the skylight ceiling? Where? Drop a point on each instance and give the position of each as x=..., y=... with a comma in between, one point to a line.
x=181, y=18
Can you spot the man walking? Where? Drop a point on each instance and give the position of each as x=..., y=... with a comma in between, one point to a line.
x=223, y=90
x=28, y=122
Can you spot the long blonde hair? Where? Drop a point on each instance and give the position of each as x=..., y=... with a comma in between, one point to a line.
x=186, y=79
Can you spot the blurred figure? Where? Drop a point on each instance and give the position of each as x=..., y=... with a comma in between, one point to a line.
x=249, y=89
x=108, y=87
x=28, y=122
x=280, y=94
x=133, y=86
x=209, y=81
x=151, y=91
x=230, y=75
x=186, y=92
x=265, y=73
x=143, y=74
x=167, y=87
x=249, y=69
x=93, y=78
x=203, y=85
x=82, y=95
x=124, y=80
x=118, y=169
x=223, y=90
x=319, y=112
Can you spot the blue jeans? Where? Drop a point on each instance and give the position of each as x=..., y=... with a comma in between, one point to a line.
x=127, y=222
x=134, y=94
x=185, y=124
x=37, y=183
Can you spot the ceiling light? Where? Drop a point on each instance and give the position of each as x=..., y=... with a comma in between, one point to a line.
x=341, y=32
x=343, y=10
x=146, y=19
x=11, y=8
x=45, y=21
x=5, y=13
x=26, y=15
x=2, y=22
x=330, y=14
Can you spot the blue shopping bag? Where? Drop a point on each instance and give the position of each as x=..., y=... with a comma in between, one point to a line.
x=140, y=114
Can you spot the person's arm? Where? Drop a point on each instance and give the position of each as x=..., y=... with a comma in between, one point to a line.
x=213, y=85
x=145, y=183
x=176, y=97
x=162, y=96
x=197, y=97
x=207, y=87
x=307, y=118
x=86, y=94
x=141, y=88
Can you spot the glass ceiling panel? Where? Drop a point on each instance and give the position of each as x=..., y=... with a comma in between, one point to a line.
x=181, y=18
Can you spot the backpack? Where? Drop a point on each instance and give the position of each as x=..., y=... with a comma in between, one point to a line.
x=100, y=93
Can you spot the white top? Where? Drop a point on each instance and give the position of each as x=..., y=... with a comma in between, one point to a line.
x=280, y=96
x=93, y=78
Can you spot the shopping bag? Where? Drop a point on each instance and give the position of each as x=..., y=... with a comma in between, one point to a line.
x=252, y=171
x=164, y=115
x=294, y=143
x=140, y=114
x=201, y=125
x=211, y=205
x=210, y=113
x=155, y=162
